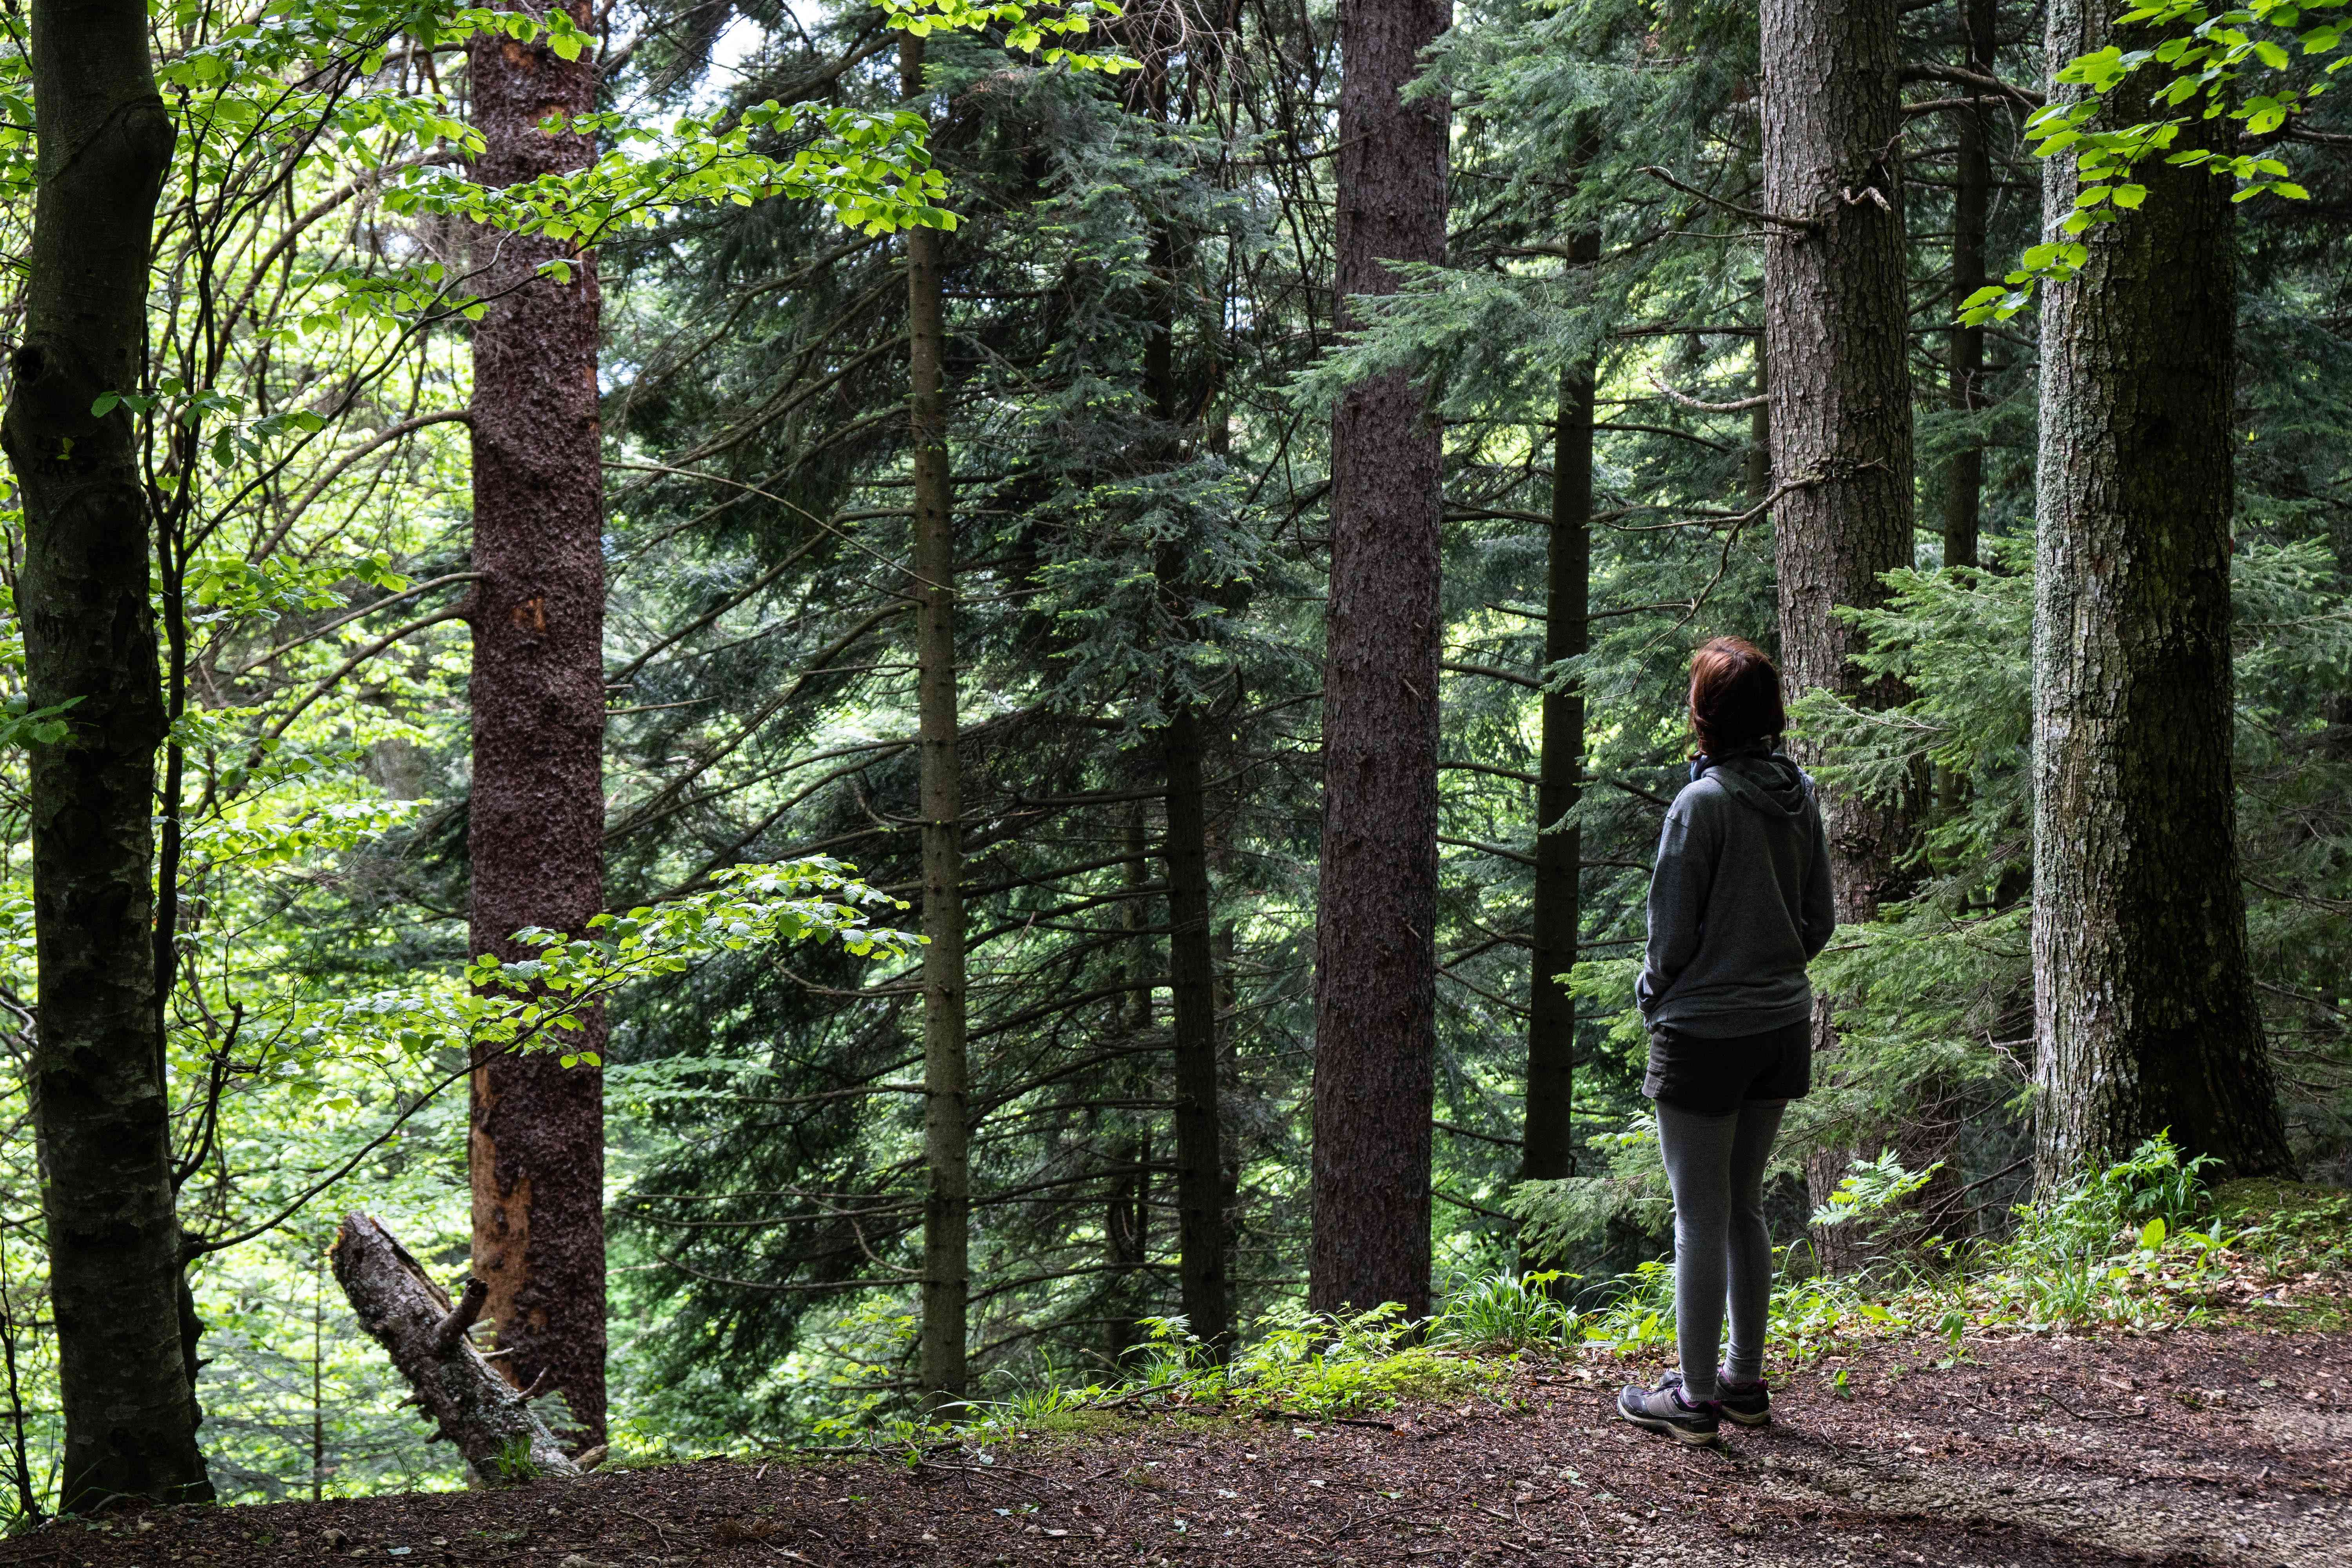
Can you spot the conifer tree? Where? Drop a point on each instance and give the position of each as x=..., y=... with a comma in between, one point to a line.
x=536, y=814
x=947, y=1131
x=1375, y=976
x=1836, y=330
x=2146, y=1015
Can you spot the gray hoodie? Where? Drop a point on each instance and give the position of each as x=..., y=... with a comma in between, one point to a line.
x=1740, y=901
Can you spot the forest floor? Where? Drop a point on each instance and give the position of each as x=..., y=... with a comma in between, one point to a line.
x=2194, y=1445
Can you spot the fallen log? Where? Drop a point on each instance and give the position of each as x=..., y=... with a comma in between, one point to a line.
x=488, y=1418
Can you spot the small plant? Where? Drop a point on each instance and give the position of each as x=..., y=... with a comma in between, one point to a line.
x=513, y=1465
x=1873, y=1199
x=1809, y=1314
x=1642, y=1313
x=1328, y=1363
x=2121, y=1248
x=1507, y=1312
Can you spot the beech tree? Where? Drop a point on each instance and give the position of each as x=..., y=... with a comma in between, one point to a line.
x=1375, y=972
x=99, y=1101
x=2144, y=1012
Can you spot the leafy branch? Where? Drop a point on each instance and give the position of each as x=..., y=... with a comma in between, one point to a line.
x=2206, y=53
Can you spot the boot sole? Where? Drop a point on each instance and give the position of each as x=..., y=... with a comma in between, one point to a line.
x=1761, y=1418
x=1668, y=1429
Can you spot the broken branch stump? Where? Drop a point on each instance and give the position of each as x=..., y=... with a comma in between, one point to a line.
x=412, y=1318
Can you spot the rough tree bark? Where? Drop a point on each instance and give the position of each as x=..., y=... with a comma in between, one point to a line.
x=1202, y=1240
x=536, y=823
x=1203, y=1244
x=946, y=1129
x=1548, y=1150
x=1127, y=1218
x=1757, y=459
x=1964, y=475
x=1376, y=966
x=1836, y=331
x=99, y=1109
x=470, y=1406
x=2144, y=1004
x=1932, y=1132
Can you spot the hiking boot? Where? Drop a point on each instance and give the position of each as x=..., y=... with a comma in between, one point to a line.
x=1662, y=1410
x=1749, y=1404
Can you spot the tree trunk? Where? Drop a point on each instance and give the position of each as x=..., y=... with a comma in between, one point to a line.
x=1376, y=964
x=1127, y=1221
x=1203, y=1242
x=1931, y=1131
x=1201, y=1236
x=469, y=1404
x=1964, y=475
x=536, y=822
x=319, y=1381
x=1548, y=1148
x=947, y=1131
x=2144, y=1005
x=1758, y=457
x=98, y=1097
x=1835, y=330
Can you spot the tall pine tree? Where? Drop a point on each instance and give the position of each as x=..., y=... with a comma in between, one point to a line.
x=1376, y=966
x=535, y=828
x=2146, y=1017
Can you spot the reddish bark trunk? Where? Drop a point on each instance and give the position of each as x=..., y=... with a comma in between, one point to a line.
x=1376, y=967
x=536, y=832
x=1971, y=201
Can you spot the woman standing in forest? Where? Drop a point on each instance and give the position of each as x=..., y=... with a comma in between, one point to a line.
x=1740, y=903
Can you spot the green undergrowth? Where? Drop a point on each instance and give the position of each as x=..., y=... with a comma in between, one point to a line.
x=2144, y=1246
x=1299, y=1366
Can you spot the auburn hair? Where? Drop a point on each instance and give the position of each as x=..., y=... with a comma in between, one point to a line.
x=1735, y=695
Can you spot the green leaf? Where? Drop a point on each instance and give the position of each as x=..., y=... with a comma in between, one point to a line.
x=2130, y=197
x=106, y=405
x=2151, y=1235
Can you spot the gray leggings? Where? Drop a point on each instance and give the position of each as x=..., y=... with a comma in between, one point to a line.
x=1716, y=1166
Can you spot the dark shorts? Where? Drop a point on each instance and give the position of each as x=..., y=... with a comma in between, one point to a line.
x=1715, y=1078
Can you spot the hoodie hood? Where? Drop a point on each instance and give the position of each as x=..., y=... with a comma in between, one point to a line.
x=1765, y=782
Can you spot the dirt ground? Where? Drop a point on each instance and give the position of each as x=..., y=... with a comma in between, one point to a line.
x=2186, y=1448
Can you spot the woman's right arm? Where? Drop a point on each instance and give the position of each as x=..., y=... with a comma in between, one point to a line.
x=1817, y=921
